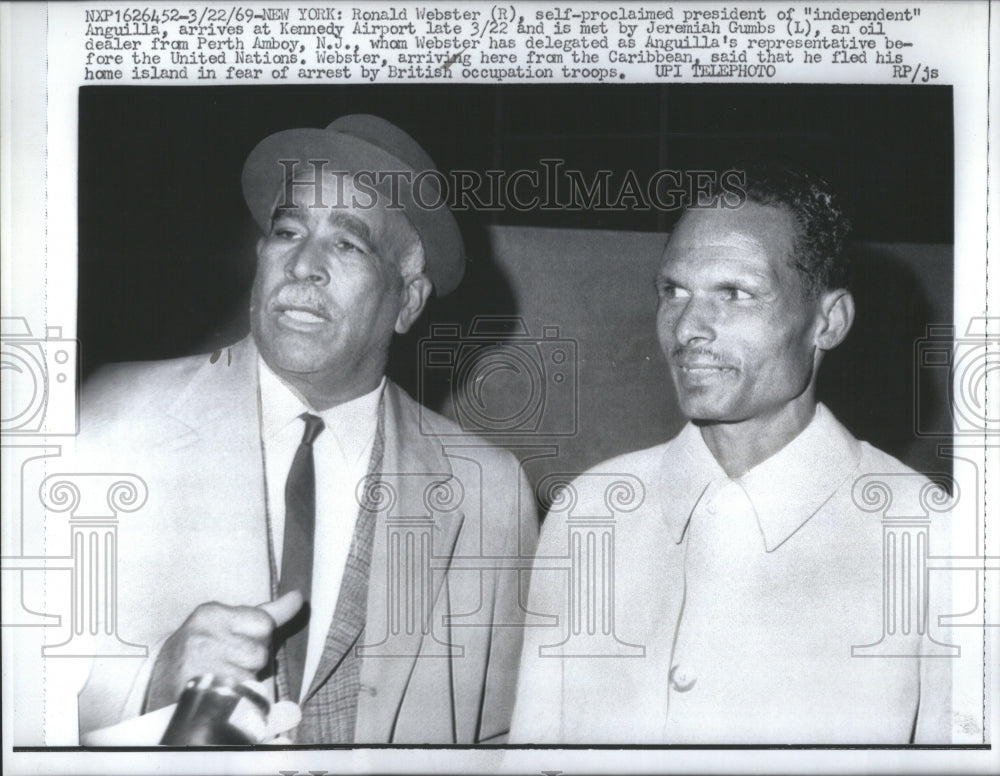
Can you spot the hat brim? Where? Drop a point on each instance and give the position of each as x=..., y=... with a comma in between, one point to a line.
x=264, y=177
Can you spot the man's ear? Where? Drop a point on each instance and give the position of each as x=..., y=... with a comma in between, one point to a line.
x=416, y=291
x=835, y=319
x=260, y=245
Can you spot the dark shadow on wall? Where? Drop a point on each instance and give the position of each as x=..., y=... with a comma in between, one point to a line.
x=484, y=291
x=870, y=381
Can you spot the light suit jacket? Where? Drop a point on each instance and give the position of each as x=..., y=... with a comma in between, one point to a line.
x=190, y=428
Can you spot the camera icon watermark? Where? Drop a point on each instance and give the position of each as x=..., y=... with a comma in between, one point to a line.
x=39, y=381
x=969, y=362
x=504, y=380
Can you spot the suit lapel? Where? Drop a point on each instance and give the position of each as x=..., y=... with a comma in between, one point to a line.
x=390, y=649
x=229, y=376
x=218, y=425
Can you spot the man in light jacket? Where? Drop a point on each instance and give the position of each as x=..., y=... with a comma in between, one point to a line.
x=743, y=592
x=302, y=508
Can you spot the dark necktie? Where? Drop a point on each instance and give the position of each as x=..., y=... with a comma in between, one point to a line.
x=297, y=550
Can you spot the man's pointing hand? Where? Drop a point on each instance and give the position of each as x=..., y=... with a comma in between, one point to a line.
x=228, y=641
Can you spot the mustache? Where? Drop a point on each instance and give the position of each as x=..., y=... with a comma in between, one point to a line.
x=295, y=296
x=690, y=356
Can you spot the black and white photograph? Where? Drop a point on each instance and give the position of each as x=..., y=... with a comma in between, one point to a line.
x=517, y=426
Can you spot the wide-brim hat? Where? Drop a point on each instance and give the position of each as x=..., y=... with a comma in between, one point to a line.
x=353, y=144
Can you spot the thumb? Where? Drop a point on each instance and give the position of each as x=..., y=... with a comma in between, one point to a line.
x=283, y=609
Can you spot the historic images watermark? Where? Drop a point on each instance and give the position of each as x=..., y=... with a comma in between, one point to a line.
x=416, y=565
x=505, y=380
x=40, y=377
x=552, y=186
x=39, y=381
x=518, y=389
x=969, y=361
x=910, y=505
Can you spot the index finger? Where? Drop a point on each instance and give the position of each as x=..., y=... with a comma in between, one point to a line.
x=283, y=609
x=251, y=622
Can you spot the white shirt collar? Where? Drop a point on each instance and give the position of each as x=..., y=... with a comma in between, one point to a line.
x=352, y=424
x=785, y=490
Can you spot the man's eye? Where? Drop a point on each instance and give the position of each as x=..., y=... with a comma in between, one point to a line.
x=736, y=295
x=348, y=246
x=673, y=292
x=284, y=233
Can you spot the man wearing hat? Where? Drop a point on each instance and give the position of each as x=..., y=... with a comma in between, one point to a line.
x=301, y=520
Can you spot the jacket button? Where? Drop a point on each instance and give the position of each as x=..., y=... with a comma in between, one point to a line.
x=372, y=691
x=680, y=680
x=711, y=508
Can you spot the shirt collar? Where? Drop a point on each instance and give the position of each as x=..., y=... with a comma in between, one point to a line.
x=352, y=424
x=785, y=490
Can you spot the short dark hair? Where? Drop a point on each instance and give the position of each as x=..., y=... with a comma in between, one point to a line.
x=820, y=248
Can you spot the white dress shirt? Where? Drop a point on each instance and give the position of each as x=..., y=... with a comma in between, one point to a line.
x=737, y=605
x=340, y=455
